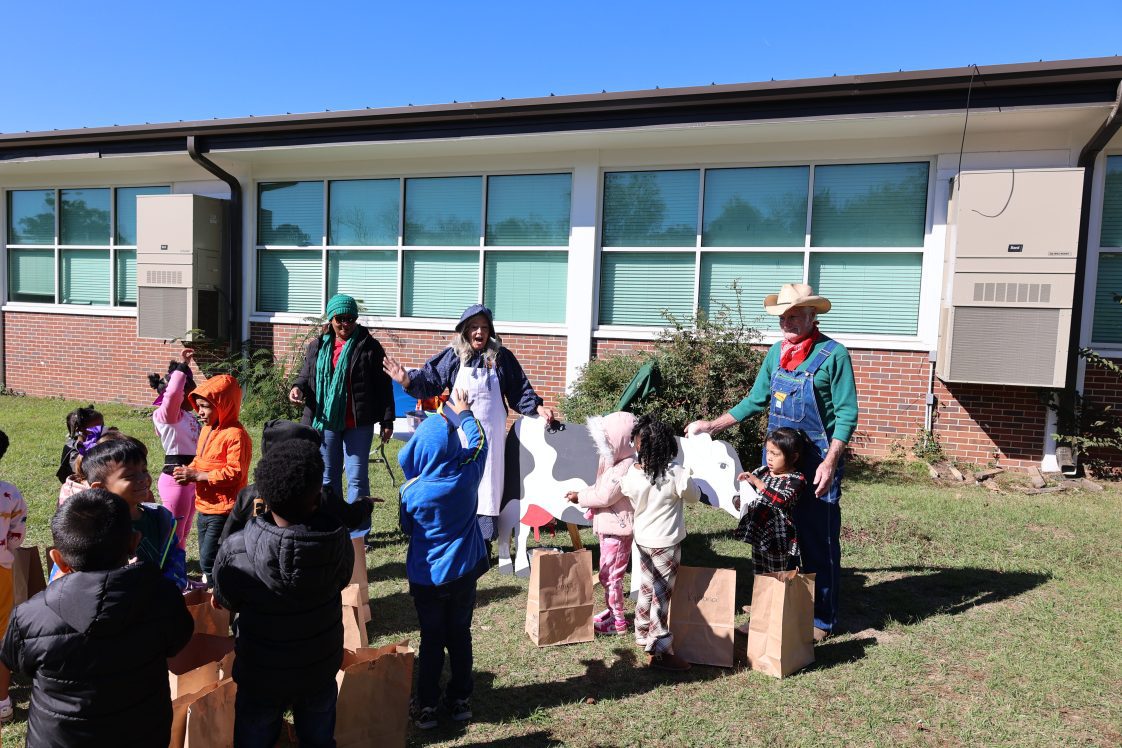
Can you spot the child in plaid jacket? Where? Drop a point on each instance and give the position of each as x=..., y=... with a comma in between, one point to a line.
x=766, y=523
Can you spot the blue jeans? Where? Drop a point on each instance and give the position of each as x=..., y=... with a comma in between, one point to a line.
x=348, y=449
x=445, y=614
x=818, y=524
x=258, y=722
x=210, y=529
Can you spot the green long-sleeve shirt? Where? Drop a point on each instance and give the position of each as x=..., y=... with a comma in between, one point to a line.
x=834, y=389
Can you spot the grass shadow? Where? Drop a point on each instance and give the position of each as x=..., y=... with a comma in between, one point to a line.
x=395, y=613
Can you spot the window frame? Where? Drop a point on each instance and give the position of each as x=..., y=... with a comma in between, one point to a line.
x=1095, y=250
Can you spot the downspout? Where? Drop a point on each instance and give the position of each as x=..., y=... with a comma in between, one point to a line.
x=1087, y=158
x=234, y=237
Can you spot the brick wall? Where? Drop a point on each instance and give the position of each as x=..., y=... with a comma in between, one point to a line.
x=1106, y=388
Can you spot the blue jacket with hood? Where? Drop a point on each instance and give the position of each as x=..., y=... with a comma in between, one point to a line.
x=439, y=500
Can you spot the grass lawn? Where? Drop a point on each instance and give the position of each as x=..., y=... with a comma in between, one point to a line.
x=971, y=618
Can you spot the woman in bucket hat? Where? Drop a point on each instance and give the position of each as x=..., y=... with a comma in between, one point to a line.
x=477, y=362
x=806, y=382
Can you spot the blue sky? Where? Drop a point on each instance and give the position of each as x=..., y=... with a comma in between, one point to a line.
x=74, y=64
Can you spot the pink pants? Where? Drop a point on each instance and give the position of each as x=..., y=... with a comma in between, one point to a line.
x=180, y=501
x=615, y=554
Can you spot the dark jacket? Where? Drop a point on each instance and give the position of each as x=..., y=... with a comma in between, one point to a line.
x=284, y=584
x=369, y=388
x=439, y=374
x=95, y=645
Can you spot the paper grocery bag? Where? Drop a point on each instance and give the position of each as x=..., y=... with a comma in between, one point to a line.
x=205, y=718
x=207, y=619
x=205, y=660
x=359, y=577
x=374, y=688
x=354, y=628
x=559, y=604
x=27, y=574
x=781, y=627
x=702, y=610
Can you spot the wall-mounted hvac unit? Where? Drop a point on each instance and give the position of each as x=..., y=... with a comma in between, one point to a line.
x=1010, y=277
x=181, y=260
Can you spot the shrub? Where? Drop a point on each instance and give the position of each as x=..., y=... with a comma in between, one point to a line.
x=1084, y=423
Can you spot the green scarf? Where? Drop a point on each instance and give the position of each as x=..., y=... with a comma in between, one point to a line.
x=331, y=384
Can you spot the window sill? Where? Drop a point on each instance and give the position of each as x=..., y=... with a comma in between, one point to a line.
x=73, y=310
x=849, y=340
x=417, y=323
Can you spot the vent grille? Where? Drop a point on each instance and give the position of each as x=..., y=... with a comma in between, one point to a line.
x=1004, y=345
x=163, y=278
x=163, y=313
x=1013, y=293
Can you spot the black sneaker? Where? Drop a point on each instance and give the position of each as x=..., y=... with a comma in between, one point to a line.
x=458, y=709
x=424, y=717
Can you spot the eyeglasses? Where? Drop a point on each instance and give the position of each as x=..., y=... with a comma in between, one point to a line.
x=346, y=319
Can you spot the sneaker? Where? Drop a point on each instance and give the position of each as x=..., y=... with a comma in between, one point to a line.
x=603, y=615
x=821, y=635
x=611, y=626
x=424, y=717
x=6, y=712
x=458, y=709
x=668, y=661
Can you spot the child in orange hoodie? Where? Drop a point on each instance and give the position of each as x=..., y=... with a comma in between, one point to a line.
x=221, y=465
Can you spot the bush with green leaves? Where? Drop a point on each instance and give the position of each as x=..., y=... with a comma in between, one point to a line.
x=1090, y=427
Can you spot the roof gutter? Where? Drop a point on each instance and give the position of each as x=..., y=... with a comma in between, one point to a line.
x=233, y=236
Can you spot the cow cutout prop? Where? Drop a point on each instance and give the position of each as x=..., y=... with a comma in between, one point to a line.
x=542, y=465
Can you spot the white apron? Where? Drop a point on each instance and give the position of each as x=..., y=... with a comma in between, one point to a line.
x=486, y=399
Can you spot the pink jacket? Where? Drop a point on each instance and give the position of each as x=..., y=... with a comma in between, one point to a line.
x=611, y=510
x=178, y=429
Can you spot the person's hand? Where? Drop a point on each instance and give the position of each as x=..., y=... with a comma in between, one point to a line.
x=296, y=395
x=571, y=497
x=187, y=355
x=824, y=478
x=460, y=401
x=387, y=432
x=549, y=414
x=699, y=427
x=743, y=476
x=185, y=474
x=395, y=371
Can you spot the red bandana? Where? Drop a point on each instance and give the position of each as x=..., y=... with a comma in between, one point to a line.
x=793, y=353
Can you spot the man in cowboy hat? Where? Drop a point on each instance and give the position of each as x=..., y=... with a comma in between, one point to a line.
x=806, y=382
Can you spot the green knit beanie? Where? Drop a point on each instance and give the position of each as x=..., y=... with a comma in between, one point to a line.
x=341, y=304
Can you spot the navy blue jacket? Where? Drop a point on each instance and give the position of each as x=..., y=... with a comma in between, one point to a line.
x=439, y=374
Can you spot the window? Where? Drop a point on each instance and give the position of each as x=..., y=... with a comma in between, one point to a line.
x=93, y=262
x=1106, y=323
x=431, y=232
x=754, y=232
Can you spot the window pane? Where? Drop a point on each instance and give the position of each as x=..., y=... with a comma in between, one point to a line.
x=1108, y=311
x=126, y=211
x=526, y=286
x=31, y=275
x=763, y=207
x=756, y=274
x=85, y=275
x=651, y=208
x=369, y=276
x=869, y=205
x=85, y=217
x=289, y=281
x=636, y=287
x=443, y=211
x=126, y=277
x=364, y=212
x=1112, y=204
x=528, y=210
x=870, y=293
x=439, y=284
x=290, y=214
x=31, y=218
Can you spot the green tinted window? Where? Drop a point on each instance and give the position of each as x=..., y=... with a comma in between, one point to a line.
x=443, y=211
x=31, y=218
x=528, y=210
x=370, y=276
x=1112, y=204
x=651, y=208
x=635, y=287
x=31, y=275
x=84, y=218
x=1108, y=300
x=290, y=213
x=439, y=283
x=85, y=276
x=126, y=211
x=870, y=293
x=526, y=286
x=289, y=281
x=762, y=207
x=364, y=212
x=126, y=277
x=869, y=205
x=756, y=274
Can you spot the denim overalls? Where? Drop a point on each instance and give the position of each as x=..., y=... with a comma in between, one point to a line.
x=817, y=520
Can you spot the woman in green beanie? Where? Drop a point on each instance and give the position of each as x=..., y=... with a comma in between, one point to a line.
x=345, y=393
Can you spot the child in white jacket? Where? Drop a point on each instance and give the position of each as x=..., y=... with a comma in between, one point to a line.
x=658, y=491
x=13, y=525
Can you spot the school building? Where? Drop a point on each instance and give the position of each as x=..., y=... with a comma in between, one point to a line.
x=577, y=219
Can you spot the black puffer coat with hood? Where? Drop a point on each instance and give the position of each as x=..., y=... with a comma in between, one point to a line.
x=96, y=645
x=284, y=584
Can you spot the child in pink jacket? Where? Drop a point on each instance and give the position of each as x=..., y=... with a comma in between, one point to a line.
x=611, y=512
x=178, y=430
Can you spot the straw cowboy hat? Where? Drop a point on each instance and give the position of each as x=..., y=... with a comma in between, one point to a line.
x=792, y=295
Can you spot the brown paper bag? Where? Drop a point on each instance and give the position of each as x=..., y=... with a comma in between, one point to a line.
x=559, y=604
x=702, y=609
x=205, y=660
x=207, y=619
x=359, y=576
x=27, y=574
x=374, y=689
x=354, y=628
x=205, y=718
x=781, y=627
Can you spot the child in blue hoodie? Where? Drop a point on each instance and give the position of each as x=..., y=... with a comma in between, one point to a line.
x=446, y=551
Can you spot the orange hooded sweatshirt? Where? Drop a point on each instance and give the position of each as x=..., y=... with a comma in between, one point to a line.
x=224, y=450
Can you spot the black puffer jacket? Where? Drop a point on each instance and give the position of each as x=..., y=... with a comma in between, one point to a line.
x=96, y=646
x=370, y=392
x=284, y=584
